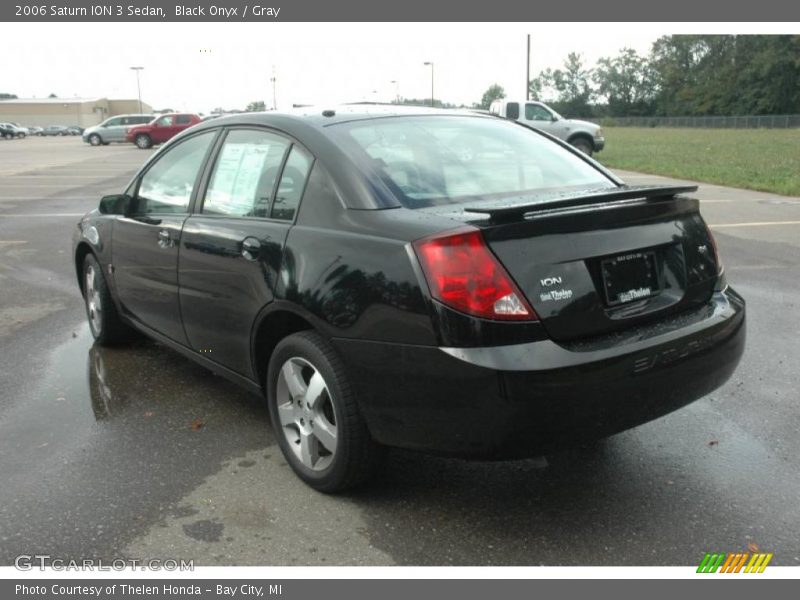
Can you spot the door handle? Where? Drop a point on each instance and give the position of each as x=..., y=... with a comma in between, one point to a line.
x=251, y=248
x=164, y=239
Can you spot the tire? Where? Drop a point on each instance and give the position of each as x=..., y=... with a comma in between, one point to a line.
x=324, y=439
x=106, y=326
x=583, y=144
x=143, y=141
x=95, y=140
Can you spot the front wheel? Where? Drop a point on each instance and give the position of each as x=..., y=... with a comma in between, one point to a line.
x=143, y=141
x=584, y=145
x=95, y=140
x=316, y=418
x=104, y=321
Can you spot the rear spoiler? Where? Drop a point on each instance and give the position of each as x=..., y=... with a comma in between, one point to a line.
x=510, y=212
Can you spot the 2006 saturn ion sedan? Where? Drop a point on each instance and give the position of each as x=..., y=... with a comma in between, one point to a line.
x=443, y=281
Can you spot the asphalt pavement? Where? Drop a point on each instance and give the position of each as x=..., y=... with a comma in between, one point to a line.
x=137, y=452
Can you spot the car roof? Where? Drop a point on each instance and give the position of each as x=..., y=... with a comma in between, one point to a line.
x=325, y=115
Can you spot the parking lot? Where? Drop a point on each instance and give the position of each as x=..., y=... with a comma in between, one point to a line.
x=138, y=452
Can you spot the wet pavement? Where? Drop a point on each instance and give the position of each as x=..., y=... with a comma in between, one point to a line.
x=138, y=452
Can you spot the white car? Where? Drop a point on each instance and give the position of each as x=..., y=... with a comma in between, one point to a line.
x=585, y=136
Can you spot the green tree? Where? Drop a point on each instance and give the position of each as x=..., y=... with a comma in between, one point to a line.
x=727, y=74
x=627, y=83
x=4, y=96
x=569, y=89
x=494, y=92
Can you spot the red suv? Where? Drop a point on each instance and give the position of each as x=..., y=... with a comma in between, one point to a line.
x=161, y=129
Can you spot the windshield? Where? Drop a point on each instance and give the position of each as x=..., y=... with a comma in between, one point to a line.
x=434, y=160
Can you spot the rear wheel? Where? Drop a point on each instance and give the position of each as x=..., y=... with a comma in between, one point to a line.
x=95, y=140
x=583, y=144
x=104, y=321
x=143, y=141
x=315, y=415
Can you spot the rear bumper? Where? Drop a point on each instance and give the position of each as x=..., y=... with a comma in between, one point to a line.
x=526, y=399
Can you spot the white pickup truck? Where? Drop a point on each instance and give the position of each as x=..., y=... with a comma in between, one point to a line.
x=586, y=137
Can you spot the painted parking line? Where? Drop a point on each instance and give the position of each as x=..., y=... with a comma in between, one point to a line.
x=754, y=224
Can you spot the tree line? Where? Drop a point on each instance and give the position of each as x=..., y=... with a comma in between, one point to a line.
x=682, y=75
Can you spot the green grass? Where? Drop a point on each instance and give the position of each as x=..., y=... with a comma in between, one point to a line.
x=756, y=159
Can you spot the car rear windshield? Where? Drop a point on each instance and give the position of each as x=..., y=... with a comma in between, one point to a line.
x=435, y=160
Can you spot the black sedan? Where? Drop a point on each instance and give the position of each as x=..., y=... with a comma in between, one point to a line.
x=442, y=281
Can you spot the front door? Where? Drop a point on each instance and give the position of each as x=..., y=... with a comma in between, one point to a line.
x=164, y=129
x=538, y=116
x=232, y=249
x=145, y=244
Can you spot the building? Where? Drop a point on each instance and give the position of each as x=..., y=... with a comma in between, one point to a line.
x=83, y=112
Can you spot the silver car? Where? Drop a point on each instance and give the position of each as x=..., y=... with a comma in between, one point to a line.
x=113, y=129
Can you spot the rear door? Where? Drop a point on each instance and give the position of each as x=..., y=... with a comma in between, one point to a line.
x=145, y=244
x=233, y=244
x=183, y=122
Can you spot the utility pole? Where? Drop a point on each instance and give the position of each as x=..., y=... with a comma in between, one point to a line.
x=528, y=70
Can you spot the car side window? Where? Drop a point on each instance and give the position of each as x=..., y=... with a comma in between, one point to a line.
x=512, y=110
x=534, y=112
x=167, y=186
x=163, y=121
x=292, y=184
x=244, y=175
x=113, y=122
x=183, y=119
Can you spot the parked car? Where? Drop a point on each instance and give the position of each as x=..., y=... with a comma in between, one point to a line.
x=7, y=132
x=161, y=129
x=75, y=130
x=434, y=280
x=16, y=130
x=59, y=130
x=114, y=129
x=585, y=136
x=34, y=130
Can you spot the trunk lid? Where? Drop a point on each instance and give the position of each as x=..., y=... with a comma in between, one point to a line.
x=598, y=263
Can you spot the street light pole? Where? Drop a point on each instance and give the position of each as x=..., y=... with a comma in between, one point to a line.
x=138, y=86
x=396, y=91
x=273, y=79
x=430, y=64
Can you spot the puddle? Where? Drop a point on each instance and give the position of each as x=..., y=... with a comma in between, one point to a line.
x=104, y=443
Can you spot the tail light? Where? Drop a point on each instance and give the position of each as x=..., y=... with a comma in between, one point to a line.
x=462, y=273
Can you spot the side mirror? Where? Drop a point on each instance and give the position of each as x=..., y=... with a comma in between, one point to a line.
x=116, y=204
x=553, y=118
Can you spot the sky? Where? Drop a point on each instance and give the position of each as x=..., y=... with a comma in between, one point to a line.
x=201, y=66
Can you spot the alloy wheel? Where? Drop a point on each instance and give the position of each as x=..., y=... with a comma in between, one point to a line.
x=93, y=301
x=305, y=410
